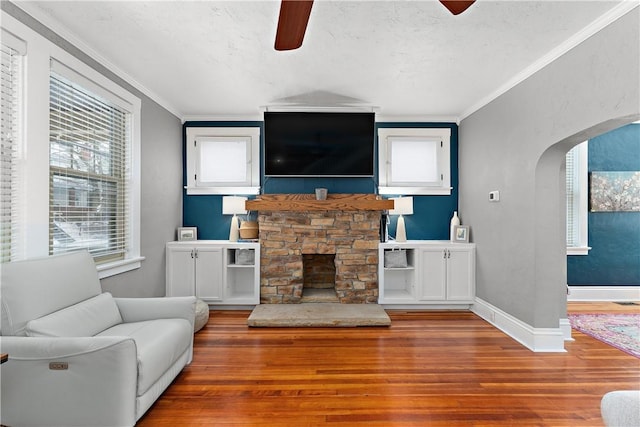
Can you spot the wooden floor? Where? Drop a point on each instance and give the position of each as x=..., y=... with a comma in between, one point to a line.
x=427, y=369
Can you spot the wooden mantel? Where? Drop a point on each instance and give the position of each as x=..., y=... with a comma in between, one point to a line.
x=308, y=202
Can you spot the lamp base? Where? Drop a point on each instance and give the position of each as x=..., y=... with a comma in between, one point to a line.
x=401, y=231
x=234, y=231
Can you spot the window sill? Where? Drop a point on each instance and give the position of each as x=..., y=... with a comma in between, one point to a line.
x=117, y=267
x=193, y=191
x=582, y=250
x=416, y=191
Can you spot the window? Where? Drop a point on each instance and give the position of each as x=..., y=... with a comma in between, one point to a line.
x=69, y=187
x=576, y=202
x=89, y=142
x=414, y=161
x=223, y=160
x=11, y=51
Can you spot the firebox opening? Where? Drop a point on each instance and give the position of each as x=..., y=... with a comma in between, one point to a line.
x=319, y=278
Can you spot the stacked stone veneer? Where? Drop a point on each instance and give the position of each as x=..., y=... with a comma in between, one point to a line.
x=353, y=236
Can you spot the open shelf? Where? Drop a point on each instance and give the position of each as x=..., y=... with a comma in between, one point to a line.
x=399, y=282
x=240, y=274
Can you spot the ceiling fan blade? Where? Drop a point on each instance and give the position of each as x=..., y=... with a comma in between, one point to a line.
x=292, y=23
x=457, y=6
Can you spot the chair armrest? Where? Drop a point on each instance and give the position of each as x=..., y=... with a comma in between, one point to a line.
x=75, y=381
x=140, y=309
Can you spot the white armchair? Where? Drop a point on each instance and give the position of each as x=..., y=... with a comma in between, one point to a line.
x=79, y=357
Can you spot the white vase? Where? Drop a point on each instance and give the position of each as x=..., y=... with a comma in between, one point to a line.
x=455, y=221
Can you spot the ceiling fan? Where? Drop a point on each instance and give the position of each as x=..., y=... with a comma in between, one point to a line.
x=294, y=17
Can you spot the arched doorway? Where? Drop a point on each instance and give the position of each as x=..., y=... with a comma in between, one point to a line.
x=550, y=223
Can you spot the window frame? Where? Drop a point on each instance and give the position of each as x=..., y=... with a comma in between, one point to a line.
x=35, y=127
x=249, y=186
x=89, y=156
x=580, y=201
x=387, y=186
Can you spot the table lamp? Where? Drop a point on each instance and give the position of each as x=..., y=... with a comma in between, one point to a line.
x=401, y=206
x=233, y=205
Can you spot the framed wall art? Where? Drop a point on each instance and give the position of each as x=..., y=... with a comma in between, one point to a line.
x=187, y=233
x=461, y=234
x=614, y=191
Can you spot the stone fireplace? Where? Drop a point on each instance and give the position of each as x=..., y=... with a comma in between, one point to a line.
x=347, y=227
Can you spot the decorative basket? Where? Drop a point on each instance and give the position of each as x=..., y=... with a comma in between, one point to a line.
x=396, y=258
x=248, y=229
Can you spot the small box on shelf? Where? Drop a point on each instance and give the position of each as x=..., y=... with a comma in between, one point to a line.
x=245, y=256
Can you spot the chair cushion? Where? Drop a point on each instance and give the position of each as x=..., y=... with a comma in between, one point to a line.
x=159, y=344
x=84, y=319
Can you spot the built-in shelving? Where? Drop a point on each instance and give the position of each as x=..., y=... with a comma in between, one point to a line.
x=438, y=273
x=218, y=271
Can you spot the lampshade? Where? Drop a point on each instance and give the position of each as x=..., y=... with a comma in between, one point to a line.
x=232, y=205
x=402, y=206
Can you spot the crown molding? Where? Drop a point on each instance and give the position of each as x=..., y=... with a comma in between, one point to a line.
x=599, y=24
x=416, y=119
x=52, y=24
x=255, y=117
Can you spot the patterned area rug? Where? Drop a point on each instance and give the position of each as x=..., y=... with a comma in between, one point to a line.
x=619, y=330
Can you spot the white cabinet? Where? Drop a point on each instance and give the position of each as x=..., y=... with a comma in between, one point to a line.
x=448, y=274
x=194, y=270
x=437, y=272
x=218, y=272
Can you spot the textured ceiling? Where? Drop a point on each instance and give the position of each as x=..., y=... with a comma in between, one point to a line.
x=406, y=58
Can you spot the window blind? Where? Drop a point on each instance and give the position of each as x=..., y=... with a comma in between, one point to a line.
x=570, y=195
x=576, y=199
x=10, y=78
x=89, y=154
x=413, y=161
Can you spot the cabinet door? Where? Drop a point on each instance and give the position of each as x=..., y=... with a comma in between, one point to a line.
x=433, y=275
x=209, y=273
x=180, y=271
x=460, y=275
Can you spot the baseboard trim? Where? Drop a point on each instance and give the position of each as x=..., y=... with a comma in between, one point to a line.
x=565, y=327
x=603, y=293
x=539, y=340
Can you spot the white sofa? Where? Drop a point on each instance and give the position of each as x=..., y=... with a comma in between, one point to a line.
x=78, y=356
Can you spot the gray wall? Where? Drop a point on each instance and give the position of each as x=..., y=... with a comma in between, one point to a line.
x=160, y=202
x=517, y=143
x=161, y=178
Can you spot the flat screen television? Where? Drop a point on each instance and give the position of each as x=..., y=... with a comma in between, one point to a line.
x=319, y=144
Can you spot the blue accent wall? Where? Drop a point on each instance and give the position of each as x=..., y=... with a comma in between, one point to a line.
x=613, y=236
x=430, y=220
x=205, y=211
